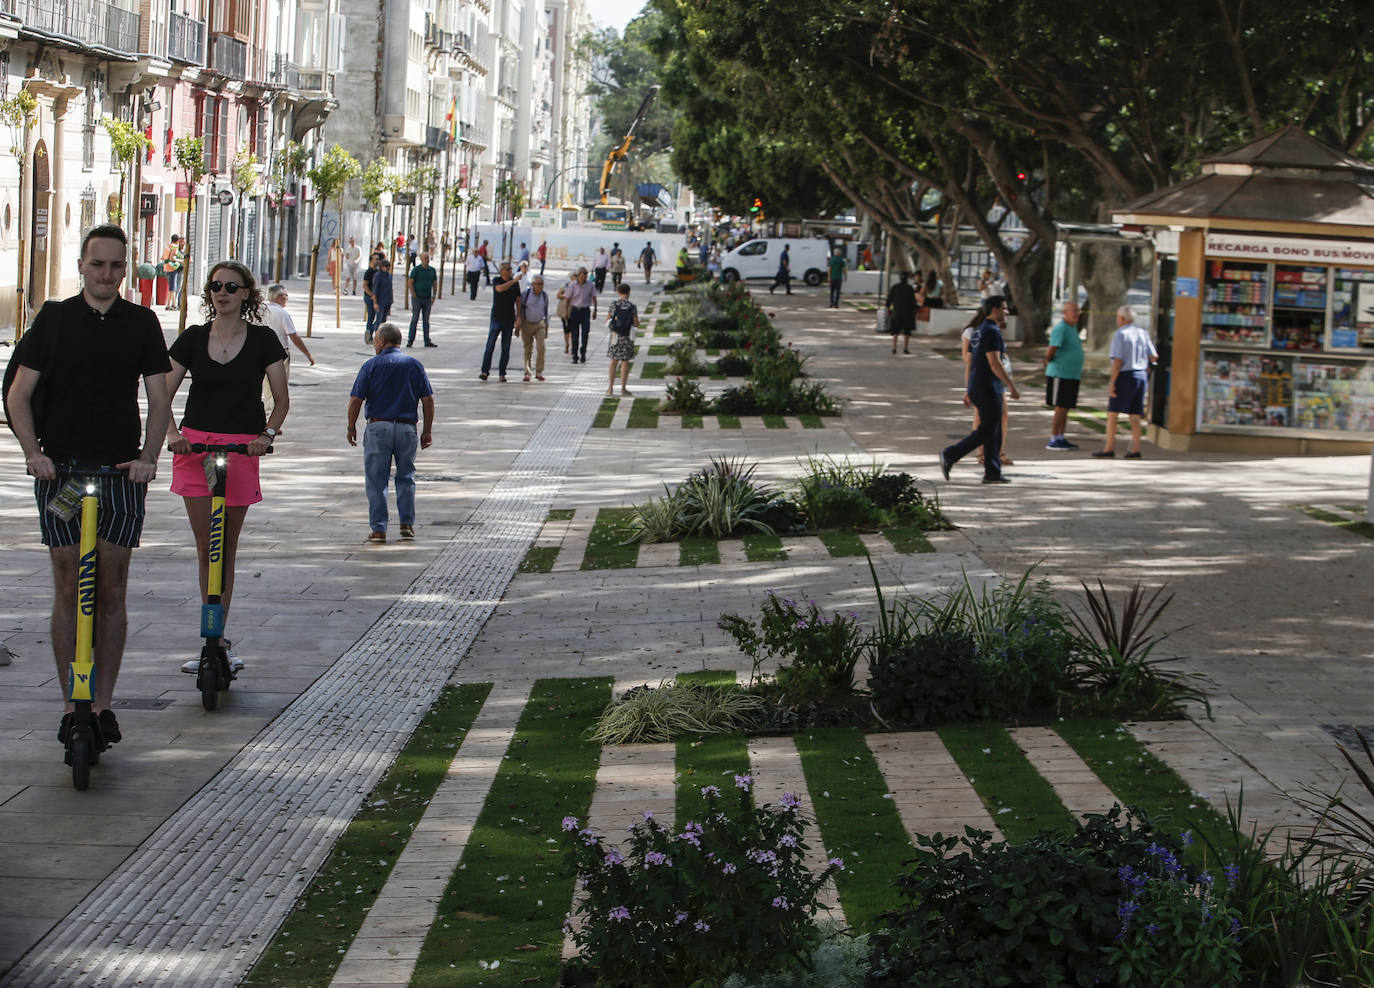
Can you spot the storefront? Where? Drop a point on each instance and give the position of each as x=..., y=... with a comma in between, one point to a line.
x=1269, y=255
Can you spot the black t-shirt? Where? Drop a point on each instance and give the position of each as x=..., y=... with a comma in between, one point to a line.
x=901, y=299
x=93, y=363
x=986, y=339
x=226, y=397
x=503, y=303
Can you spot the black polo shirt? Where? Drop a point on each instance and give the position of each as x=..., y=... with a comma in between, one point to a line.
x=93, y=363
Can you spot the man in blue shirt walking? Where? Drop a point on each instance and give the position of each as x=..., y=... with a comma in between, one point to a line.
x=394, y=386
x=1133, y=354
x=986, y=380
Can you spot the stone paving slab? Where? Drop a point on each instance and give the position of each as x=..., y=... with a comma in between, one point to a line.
x=776, y=767
x=938, y=797
x=1068, y=775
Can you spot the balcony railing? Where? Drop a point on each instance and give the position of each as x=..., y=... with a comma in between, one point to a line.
x=436, y=138
x=463, y=41
x=286, y=73
x=228, y=56
x=313, y=81
x=91, y=22
x=186, y=39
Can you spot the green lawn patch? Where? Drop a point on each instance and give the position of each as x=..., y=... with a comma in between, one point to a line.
x=1139, y=779
x=658, y=350
x=811, y=421
x=693, y=422
x=760, y=548
x=857, y=823
x=729, y=421
x=311, y=943
x=539, y=559
x=609, y=545
x=605, y=413
x=644, y=414
x=1017, y=796
x=508, y=898
x=653, y=370
x=908, y=540
x=1090, y=417
x=1351, y=525
x=560, y=514
x=709, y=760
x=662, y=331
x=698, y=550
x=709, y=677
x=774, y=422
x=841, y=544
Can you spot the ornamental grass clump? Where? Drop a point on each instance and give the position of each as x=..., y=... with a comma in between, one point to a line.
x=729, y=893
x=673, y=709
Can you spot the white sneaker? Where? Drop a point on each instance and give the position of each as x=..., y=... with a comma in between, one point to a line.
x=235, y=663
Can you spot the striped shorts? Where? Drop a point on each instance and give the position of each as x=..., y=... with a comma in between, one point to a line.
x=119, y=520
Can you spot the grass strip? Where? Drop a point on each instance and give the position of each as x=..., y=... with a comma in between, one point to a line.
x=605, y=413
x=760, y=548
x=1363, y=528
x=1018, y=797
x=1090, y=417
x=698, y=550
x=658, y=350
x=709, y=677
x=729, y=421
x=811, y=421
x=539, y=559
x=508, y=898
x=1138, y=779
x=842, y=544
x=653, y=370
x=610, y=544
x=774, y=422
x=644, y=414
x=560, y=514
x=908, y=540
x=662, y=331
x=693, y=422
x=307, y=950
x=858, y=820
x=707, y=760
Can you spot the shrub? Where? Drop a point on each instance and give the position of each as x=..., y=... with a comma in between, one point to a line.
x=645, y=714
x=815, y=652
x=838, y=962
x=730, y=893
x=658, y=519
x=929, y=679
x=682, y=360
x=722, y=500
x=738, y=401
x=734, y=364
x=828, y=506
x=685, y=396
x=1060, y=909
x=897, y=493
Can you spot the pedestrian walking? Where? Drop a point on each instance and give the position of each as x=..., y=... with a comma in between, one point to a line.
x=382, y=291
x=393, y=389
x=1063, y=371
x=369, y=298
x=227, y=359
x=901, y=309
x=533, y=314
x=647, y=257
x=524, y=255
x=353, y=256
x=412, y=251
x=484, y=253
x=504, y=299
x=623, y=319
x=617, y=265
x=987, y=380
x=334, y=263
x=542, y=253
x=1133, y=354
x=600, y=264
x=173, y=259
x=839, y=267
x=966, y=347
x=278, y=320
x=472, y=272
x=581, y=297
x=74, y=396
x=420, y=283
x=784, y=275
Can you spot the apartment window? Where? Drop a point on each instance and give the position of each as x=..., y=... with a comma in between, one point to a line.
x=88, y=125
x=214, y=129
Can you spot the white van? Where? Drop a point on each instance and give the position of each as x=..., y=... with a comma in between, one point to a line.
x=759, y=259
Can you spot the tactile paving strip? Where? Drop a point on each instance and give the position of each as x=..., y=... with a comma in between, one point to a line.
x=196, y=904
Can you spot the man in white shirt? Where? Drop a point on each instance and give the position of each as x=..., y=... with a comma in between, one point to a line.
x=472, y=271
x=353, y=256
x=280, y=322
x=1133, y=354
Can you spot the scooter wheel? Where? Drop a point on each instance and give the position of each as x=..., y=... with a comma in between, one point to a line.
x=208, y=679
x=79, y=754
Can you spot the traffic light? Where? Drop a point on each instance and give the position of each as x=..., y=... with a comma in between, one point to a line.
x=757, y=207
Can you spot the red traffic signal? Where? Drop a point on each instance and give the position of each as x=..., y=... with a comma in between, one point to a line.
x=757, y=206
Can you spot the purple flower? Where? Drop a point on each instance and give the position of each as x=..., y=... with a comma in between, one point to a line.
x=1186, y=838
x=780, y=902
x=656, y=858
x=570, y=823
x=679, y=917
x=648, y=814
x=791, y=800
x=701, y=926
x=787, y=840
x=836, y=863
x=619, y=912
x=708, y=791
x=613, y=856
x=1151, y=929
x=1232, y=873
x=728, y=868
x=744, y=782
x=1205, y=879
x=588, y=837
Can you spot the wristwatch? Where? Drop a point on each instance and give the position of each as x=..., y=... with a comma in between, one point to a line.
x=270, y=432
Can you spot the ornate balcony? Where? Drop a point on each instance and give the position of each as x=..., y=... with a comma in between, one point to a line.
x=228, y=56
x=90, y=22
x=186, y=39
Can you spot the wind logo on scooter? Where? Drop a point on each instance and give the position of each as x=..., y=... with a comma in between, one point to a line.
x=85, y=584
x=216, y=533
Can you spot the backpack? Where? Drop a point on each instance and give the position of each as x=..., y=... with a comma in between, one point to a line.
x=40, y=399
x=623, y=319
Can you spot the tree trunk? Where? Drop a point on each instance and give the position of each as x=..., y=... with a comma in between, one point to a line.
x=186, y=256
x=314, y=270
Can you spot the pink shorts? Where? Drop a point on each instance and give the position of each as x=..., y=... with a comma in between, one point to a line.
x=188, y=470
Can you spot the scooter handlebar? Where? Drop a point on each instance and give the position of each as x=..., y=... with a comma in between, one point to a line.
x=222, y=448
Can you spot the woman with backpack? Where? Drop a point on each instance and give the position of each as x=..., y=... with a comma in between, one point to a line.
x=623, y=319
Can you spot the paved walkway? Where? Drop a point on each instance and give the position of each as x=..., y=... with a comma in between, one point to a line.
x=121, y=883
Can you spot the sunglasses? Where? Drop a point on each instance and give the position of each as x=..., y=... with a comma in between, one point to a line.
x=232, y=287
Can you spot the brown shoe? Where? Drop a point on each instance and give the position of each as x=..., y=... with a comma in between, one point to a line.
x=377, y=537
x=407, y=531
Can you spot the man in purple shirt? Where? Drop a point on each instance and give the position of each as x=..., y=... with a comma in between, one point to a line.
x=581, y=296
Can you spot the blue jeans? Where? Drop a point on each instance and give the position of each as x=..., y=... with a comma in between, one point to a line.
x=988, y=434
x=835, y=292
x=579, y=318
x=420, y=305
x=383, y=443
x=372, y=320
x=502, y=329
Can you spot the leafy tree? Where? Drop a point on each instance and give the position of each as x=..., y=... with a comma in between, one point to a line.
x=189, y=155
x=624, y=70
x=288, y=166
x=329, y=178
x=244, y=173
x=510, y=195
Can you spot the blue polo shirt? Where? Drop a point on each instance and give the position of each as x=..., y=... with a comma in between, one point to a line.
x=392, y=384
x=986, y=339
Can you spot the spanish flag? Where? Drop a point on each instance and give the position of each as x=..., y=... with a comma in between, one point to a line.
x=453, y=120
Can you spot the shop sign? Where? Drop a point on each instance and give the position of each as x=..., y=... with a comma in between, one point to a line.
x=403, y=199
x=288, y=199
x=183, y=198
x=1324, y=252
x=1185, y=288
x=147, y=204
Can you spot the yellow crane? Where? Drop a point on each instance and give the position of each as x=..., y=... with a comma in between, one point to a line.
x=614, y=157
